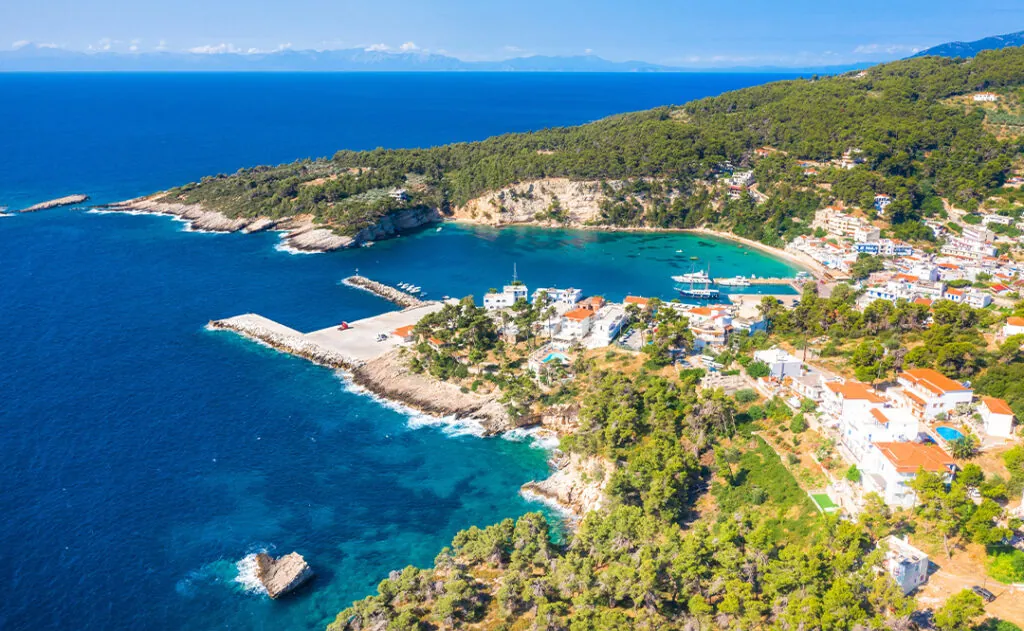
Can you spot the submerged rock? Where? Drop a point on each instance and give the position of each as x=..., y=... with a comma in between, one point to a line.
x=282, y=575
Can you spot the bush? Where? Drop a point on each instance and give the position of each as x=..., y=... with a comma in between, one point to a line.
x=1006, y=564
x=746, y=396
x=798, y=424
x=757, y=369
x=853, y=474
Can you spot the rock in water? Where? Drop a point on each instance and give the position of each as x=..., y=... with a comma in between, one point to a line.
x=280, y=576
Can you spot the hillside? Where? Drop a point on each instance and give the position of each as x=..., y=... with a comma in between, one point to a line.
x=970, y=49
x=664, y=167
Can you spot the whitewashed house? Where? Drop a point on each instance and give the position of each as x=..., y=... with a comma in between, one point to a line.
x=859, y=430
x=928, y=392
x=1014, y=326
x=889, y=468
x=576, y=324
x=849, y=399
x=997, y=417
x=506, y=297
x=780, y=363
x=907, y=565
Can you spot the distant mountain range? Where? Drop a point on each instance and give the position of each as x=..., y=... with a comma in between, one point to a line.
x=970, y=49
x=43, y=59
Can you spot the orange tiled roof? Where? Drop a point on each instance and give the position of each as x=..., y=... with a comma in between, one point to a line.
x=636, y=300
x=922, y=301
x=579, y=315
x=955, y=292
x=404, y=331
x=914, y=398
x=701, y=311
x=1015, y=321
x=854, y=390
x=997, y=406
x=933, y=380
x=881, y=418
x=909, y=457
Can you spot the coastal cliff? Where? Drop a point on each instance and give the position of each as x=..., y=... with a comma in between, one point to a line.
x=300, y=232
x=577, y=485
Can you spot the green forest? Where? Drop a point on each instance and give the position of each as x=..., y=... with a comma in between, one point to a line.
x=916, y=147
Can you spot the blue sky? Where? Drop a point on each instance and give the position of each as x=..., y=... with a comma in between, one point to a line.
x=681, y=32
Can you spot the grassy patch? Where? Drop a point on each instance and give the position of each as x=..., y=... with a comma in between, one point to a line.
x=760, y=482
x=1005, y=564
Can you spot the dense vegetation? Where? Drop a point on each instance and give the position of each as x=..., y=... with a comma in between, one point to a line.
x=916, y=147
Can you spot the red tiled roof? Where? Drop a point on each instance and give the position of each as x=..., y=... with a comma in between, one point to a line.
x=997, y=406
x=579, y=315
x=854, y=390
x=909, y=457
x=933, y=380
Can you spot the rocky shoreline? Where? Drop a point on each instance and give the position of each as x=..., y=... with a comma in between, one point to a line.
x=577, y=486
x=68, y=200
x=298, y=233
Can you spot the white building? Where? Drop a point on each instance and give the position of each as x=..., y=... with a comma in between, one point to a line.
x=576, y=324
x=928, y=392
x=997, y=417
x=871, y=424
x=849, y=400
x=907, y=565
x=506, y=297
x=780, y=363
x=889, y=469
x=1014, y=326
x=986, y=97
x=605, y=326
x=567, y=297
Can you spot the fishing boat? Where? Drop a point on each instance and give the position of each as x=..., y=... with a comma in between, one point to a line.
x=439, y=229
x=736, y=281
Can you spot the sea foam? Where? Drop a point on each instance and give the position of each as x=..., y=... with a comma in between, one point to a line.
x=247, y=575
x=449, y=425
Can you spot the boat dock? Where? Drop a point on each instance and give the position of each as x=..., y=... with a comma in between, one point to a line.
x=387, y=292
x=345, y=346
x=758, y=281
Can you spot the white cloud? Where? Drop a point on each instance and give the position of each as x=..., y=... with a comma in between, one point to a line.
x=588, y=51
x=47, y=45
x=885, y=49
x=133, y=46
x=162, y=46
x=21, y=43
x=377, y=48
x=215, y=49
x=409, y=47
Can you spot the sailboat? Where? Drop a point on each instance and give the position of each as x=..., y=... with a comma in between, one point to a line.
x=695, y=279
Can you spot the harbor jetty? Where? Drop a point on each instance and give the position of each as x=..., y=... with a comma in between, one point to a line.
x=55, y=203
x=754, y=280
x=372, y=355
x=387, y=292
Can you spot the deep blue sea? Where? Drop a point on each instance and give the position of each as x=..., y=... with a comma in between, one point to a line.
x=142, y=456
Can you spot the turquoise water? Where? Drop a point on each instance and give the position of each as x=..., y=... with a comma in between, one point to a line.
x=949, y=433
x=556, y=356
x=144, y=456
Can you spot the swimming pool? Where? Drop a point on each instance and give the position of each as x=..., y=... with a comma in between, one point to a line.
x=949, y=433
x=560, y=357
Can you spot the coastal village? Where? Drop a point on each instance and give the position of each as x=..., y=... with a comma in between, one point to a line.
x=853, y=443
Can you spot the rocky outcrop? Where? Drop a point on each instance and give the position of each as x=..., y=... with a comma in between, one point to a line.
x=577, y=485
x=282, y=575
x=381, y=290
x=55, y=203
x=299, y=233
x=389, y=376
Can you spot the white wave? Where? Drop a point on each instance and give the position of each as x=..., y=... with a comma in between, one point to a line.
x=538, y=437
x=138, y=213
x=555, y=507
x=247, y=575
x=449, y=425
x=282, y=246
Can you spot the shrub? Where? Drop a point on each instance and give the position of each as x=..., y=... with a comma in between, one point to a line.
x=853, y=474
x=1006, y=564
x=758, y=369
x=746, y=396
x=798, y=424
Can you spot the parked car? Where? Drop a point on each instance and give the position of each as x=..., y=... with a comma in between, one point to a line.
x=986, y=595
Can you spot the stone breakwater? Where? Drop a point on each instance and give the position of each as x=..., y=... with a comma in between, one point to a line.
x=55, y=203
x=299, y=233
x=387, y=292
x=283, y=339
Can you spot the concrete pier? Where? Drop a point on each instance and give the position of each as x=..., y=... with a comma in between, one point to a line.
x=346, y=348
